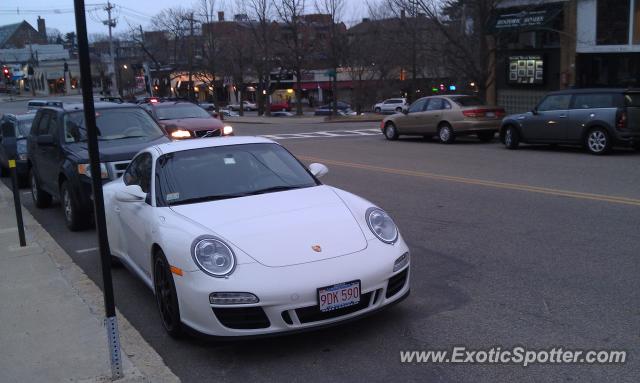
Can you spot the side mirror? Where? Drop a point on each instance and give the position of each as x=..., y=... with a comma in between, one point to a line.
x=318, y=170
x=131, y=193
x=534, y=111
x=45, y=140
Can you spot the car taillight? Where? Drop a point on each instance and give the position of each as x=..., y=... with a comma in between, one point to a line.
x=500, y=113
x=382, y=125
x=621, y=121
x=475, y=113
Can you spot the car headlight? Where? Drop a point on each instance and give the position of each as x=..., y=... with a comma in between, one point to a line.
x=180, y=134
x=227, y=130
x=381, y=225
x=86, y=170
x=213, y=256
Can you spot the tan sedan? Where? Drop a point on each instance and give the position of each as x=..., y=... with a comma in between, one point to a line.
x=446, y=117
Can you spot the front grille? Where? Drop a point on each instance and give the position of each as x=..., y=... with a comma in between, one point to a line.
x=214, y=133
x=396, y=283
x=117, y=169
x=313, y=313
x=242, y=318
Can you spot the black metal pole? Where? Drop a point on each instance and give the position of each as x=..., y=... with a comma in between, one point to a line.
x=16, y=202
x=96, y=183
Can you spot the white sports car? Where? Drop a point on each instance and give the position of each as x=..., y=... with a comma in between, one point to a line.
x=237, y=238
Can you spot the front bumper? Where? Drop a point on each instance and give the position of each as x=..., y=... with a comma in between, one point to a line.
x=288, y=295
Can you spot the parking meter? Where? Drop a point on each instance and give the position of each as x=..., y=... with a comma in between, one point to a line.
x=8, y=142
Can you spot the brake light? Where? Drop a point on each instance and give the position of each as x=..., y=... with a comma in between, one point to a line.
x=500, y=113
x=382, y=125
x=475, y=113
x=621, y=122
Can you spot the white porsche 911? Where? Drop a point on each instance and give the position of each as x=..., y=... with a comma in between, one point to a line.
x=237, y=238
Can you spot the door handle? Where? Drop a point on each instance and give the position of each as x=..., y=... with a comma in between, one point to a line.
x=117, y=210
x=563, y=116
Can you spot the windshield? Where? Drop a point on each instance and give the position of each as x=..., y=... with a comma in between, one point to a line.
x=223, y=172
x=24, y=127
x=467, y=100
x=180, y=111
x=113, y=124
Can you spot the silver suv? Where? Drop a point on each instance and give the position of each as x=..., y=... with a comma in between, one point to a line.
x=397, y=105
x=598, y=119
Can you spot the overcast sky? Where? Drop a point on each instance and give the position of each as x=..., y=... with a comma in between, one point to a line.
x=60, y=16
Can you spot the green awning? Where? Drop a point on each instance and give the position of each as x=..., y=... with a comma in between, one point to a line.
x=528, y=18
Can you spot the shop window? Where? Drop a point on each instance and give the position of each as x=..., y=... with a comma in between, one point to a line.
x=636, y=22
x=612, y=24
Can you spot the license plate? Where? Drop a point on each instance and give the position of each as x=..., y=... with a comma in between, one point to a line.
x=338, y=296
x=490, y=114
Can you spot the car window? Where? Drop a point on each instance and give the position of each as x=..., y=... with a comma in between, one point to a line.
x=24, y=127
x=435, y=104
x=418, y=106
x=555, y=102
x=113, y=124
x=228, y=171
x=43, y=124
x=446, y=104
x=53, y=125
x=467, y=100
x=139, y=172
x=181, y=111
x=597, y=100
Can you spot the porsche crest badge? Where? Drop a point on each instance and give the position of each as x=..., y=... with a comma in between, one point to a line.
x=316, y=248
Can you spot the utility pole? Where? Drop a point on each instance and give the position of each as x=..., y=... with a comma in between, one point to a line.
x=191, y=95
x=111, y=23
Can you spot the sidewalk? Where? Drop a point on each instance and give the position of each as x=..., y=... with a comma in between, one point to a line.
x=51, y=315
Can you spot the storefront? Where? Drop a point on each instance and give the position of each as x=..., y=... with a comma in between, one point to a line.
x=608, y=43
x=533, y=54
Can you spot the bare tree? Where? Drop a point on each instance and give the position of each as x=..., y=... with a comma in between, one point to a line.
x=263, y=30
x=290, y=13
x=335, y=41
x=207, y=71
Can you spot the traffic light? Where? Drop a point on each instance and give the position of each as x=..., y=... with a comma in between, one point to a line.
x=6, y=72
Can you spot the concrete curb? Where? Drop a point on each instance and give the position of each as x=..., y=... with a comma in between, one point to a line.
x=148, y=365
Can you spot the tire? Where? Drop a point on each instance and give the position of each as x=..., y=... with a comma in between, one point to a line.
x=75, y=217
x=446, y=134
x=597, y=141
x=398, y=110
x=41, y=198
x=511, y=138
x=377, y=110
x=390, y=132
x=486, y=136
x=166, y=296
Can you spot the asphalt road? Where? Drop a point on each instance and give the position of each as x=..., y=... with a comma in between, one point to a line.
x=536, y=247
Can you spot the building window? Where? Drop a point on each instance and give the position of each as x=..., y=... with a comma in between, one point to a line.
x=612, y=24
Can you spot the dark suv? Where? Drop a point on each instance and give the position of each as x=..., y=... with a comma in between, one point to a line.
x=595, y=118
x=59, y=159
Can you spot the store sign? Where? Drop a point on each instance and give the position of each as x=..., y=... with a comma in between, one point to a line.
x=526, y=69
x=525, y=18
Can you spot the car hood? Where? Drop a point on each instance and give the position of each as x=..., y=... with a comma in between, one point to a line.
x=114, y=150
x=194, y=124
x=280, y=229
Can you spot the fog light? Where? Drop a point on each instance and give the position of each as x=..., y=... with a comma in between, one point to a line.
x=227, y=130
x=179, y=134
x=401, y=262
x=232, y=298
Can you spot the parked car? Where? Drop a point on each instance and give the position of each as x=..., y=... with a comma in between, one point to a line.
x=446, y=117
x=280, y=107
x=229, y=113
x=325, y=110
x=116, y=99
x=246, y=105
x=282, y=114
x=598, y=119
x=391, y=105
x=186, y=120
x=15, y=129
x=58, y=157
x=34, y=105
x=201, y=222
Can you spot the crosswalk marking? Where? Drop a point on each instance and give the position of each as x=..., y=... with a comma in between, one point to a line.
x=325, y=134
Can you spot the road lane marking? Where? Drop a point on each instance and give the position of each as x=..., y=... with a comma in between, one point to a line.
x=474, y=181
x=87, y=250
x=325, y=134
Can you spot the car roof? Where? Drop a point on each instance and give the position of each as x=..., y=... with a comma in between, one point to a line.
x=97, y=105
x=182, y=145
x=595, y=90
x=166, y=104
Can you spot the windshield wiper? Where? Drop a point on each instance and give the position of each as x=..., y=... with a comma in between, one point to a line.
x=276, y=189
x=206, y=199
